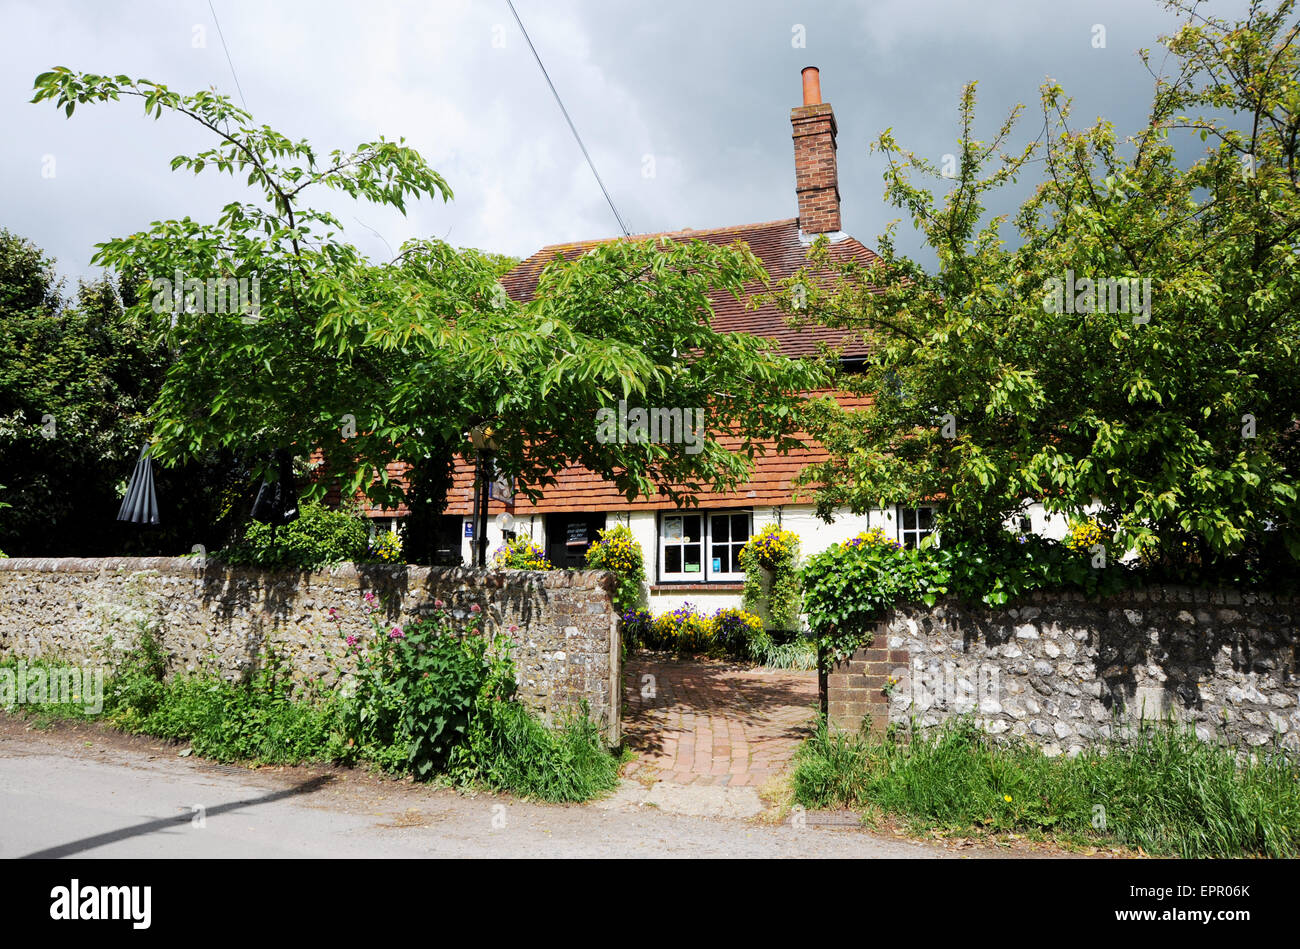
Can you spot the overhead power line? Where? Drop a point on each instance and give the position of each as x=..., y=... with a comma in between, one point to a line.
x=227, y=52
x=572, y=127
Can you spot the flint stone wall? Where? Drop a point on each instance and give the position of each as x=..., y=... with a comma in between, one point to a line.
x=221, y=619
x=1064, y=671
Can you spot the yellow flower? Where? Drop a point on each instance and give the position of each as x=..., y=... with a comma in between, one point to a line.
x=1007, y=798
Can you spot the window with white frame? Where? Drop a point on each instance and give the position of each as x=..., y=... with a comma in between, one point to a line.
x=915, y=524
x=703, y=546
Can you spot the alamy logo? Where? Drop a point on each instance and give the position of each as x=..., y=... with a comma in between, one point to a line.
x=1103, y=295
x=640, y=426
x=241, y=295
x=59, y=685
x=103, y=902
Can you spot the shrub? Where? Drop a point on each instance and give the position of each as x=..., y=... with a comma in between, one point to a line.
x=684, y=630
x=637, y=629
x=385, y=548
x=776, y=552
x=520, y=553
x=137, y=682
x=428, y=699
x=257, y=720
x=847, y=587
x=433, y=699
x=321, y=536
x=1084, y=533
x=735, y=632
x=616, y=550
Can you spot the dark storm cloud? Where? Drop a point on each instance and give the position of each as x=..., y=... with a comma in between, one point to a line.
x=699, y=93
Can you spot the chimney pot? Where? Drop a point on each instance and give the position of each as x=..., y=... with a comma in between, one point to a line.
x=812, y=86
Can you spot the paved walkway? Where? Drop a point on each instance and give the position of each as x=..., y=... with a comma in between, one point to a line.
x=713, y=723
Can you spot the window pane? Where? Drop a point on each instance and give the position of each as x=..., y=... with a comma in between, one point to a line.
x=691, y=554
x=721, y=558
x=672, y=559
x=925, y=518
x=740, y=527
x=719, y=527
x=692, y=527
x=909, y=518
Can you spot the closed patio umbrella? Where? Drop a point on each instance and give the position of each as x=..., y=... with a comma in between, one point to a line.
x=276, y=501
x=140, y=506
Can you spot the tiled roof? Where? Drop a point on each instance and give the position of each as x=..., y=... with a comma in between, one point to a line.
x=775, y=243
x=577, y=489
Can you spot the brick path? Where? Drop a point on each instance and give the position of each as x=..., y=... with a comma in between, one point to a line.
x=713, y=723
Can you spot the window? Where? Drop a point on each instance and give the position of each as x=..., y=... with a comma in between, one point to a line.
x=568, y=536
x=727, y=534
x=702, y=546
x=915, y=523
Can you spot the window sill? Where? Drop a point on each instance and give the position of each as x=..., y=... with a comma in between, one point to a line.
x=720, y=586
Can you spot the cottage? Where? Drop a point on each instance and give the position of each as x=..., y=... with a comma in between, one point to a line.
x=692, y=554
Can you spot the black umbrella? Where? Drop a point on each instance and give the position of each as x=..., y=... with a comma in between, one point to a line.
x=276, y=501
x=140, y=506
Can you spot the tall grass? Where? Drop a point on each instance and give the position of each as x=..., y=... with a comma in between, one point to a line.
x=1159, y=788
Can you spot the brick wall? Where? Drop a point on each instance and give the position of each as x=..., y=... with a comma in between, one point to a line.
x=856, y=688
x=219, y=619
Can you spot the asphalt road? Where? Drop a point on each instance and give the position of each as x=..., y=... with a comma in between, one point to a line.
x=90, y=794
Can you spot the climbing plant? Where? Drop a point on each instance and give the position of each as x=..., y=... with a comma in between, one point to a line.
x=617, y=551
x=771, y=564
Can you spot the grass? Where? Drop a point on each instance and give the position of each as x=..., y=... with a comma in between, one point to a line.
x=799, y=654
x=1160, y=789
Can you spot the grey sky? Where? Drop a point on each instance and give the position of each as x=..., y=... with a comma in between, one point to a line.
x=704, y=87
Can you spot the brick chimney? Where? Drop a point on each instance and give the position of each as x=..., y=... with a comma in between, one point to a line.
x=816, y=181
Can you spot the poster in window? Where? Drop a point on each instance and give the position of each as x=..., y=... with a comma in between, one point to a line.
x=717, y=565
x=673, y=529
x=576, y=535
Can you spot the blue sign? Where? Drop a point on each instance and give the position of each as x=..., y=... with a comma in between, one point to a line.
x=469, y=528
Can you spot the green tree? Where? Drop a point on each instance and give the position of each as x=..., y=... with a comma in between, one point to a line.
x=380, y=362
x=77, y=377
x=992, y=389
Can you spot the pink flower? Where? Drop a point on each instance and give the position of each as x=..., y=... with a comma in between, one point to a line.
x=475, y=609
x=395, y=633
x=352, y=640
x=369, y=597
x=334, y=612
x=514, y=629
x=438, y=604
